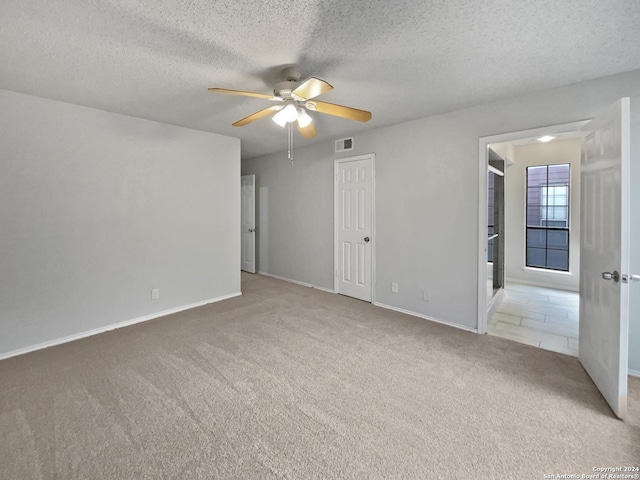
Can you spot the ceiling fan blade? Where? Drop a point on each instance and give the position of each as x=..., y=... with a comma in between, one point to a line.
x=311, y=88
x=307, y=132
x=256, y=116
x=339, y=110
x=245, y=94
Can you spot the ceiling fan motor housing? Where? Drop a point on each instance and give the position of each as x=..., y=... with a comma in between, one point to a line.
x=292, y=74
x=284, y=89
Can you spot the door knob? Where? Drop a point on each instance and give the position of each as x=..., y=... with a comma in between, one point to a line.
x=630, y=278
x=366, y=239
x=615, y=276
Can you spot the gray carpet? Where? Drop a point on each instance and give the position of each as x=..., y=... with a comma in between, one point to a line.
x=291, y=382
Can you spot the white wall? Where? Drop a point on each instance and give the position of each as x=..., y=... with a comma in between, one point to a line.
x=426, y=199
x=96, y=209
x=554, y=152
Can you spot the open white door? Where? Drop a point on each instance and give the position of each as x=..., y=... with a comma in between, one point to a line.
x=354, y=226
x=248, y=224
x=604, y=253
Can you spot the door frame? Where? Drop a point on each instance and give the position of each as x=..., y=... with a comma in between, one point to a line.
x=483, y=164
x=336, y=163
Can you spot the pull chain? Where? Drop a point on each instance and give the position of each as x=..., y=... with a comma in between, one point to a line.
x=290, y=139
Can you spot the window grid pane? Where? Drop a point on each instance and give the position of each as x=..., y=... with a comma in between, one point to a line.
x=547, y=217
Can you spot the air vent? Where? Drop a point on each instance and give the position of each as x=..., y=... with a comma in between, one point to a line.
x=344, y=144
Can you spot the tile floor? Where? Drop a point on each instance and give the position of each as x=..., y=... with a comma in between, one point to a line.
x=537, y=316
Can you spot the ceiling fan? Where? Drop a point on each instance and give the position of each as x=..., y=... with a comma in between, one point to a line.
x=294, y=100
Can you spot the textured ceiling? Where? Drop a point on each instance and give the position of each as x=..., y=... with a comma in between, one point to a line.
x=399, y=59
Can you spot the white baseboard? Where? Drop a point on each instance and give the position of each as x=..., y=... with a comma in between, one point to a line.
x=328, y=290
x=634, y=373
x=126, y=323
x=495, y=302
x=426, y=317
x=297, y=282
x=540, y=284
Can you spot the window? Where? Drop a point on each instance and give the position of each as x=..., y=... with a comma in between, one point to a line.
x=547, y=236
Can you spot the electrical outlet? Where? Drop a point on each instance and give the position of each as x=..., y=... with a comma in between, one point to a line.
x=155, y=294
x=426, y=295
x=394, y=287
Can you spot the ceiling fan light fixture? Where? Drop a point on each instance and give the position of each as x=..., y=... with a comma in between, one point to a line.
x=280, y=119
x=303, y=118
x=288, y=114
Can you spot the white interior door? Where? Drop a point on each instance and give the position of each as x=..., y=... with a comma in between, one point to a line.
x=604, y=253
x=354, y=219
x=248, y=223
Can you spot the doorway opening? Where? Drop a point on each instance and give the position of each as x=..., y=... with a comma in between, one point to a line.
x=604, y=245
x=531, y=252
